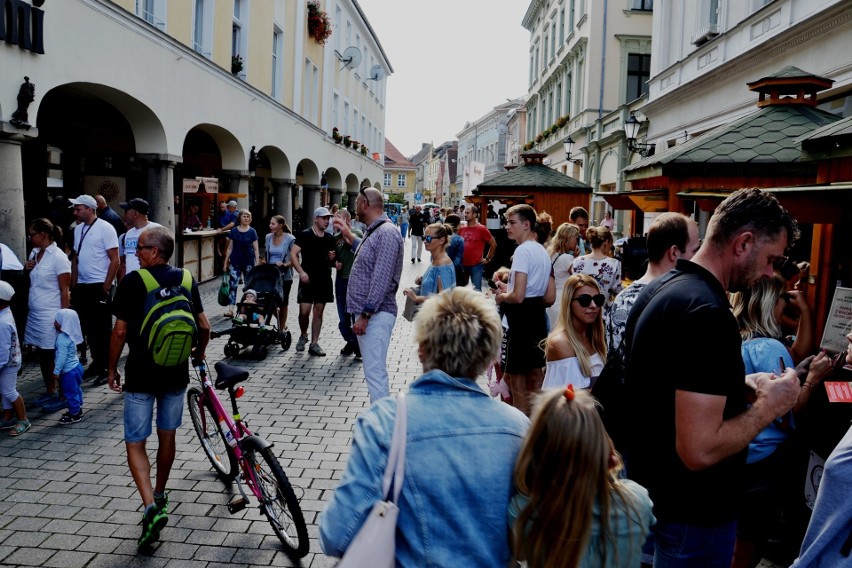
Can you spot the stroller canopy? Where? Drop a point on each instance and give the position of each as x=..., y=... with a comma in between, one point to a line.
x=265, y=278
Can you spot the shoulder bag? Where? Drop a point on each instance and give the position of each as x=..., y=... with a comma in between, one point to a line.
x=374, y=545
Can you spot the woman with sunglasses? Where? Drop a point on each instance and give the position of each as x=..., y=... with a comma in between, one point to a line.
x=772, y=470
x=599, y=264
x=576, y=348
x=441, y=274
x=50, y=281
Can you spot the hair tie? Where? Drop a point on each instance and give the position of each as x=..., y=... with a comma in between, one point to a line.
x=569, y=392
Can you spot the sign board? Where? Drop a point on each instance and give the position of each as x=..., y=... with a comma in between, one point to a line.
x=474, y=174
x=839, y=321
x=201, y=185
x=418, y=197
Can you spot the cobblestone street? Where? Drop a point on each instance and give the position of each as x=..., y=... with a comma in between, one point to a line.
x=69, y=500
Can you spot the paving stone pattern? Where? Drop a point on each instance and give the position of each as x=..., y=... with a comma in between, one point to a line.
x=69, y=501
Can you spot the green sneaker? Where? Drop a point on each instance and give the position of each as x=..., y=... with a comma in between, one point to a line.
x=162, y=502
x=152, y=523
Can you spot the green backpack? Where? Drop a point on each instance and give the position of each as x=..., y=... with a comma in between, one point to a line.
x=169, y=329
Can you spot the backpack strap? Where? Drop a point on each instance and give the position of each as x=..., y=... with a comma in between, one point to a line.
x=148, y=279
x=186, y=281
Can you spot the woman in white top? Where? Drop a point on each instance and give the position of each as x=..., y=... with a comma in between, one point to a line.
x=530, y=290
x=563, y=250
x=50, y=281
x=599, y=264
x=576, y=348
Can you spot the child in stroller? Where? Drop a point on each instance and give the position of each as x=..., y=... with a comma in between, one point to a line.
x=253, y=325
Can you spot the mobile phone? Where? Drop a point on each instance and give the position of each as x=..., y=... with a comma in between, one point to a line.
x=782, y=366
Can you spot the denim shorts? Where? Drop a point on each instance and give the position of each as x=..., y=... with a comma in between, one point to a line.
x=139, y=412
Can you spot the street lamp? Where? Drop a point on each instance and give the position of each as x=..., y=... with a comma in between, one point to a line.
x=631, y=130
x=568, y=145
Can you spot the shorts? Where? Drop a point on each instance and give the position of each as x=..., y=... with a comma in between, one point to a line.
x=318, y=291
x=139, y=412
x=287, y=285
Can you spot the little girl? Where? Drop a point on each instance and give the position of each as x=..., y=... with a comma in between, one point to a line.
x=67, y=368
x=571, y=510
x=10, y=364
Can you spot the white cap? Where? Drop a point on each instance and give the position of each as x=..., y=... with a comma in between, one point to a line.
x=86, y=200
x=6, y=291
x=322, y=212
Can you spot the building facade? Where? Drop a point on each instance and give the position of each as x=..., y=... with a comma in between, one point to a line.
x=132, y=97
x=484, y=145
x=399, y=173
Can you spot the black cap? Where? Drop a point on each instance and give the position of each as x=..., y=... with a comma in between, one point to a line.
x=136, y=203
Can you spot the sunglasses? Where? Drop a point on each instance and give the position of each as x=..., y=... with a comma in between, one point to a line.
x=586, y=300
x=429, y=238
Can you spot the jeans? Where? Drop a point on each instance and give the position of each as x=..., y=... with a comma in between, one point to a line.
x=403, y=229
x=679, y=545
x=475, y=273
x=416, y=246
x=92, y=305
x=72, y=387
x=374, y=352
x=344, y=321
x=139, y=412
x=234, y=280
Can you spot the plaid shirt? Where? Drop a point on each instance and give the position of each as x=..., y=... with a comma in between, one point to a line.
x=375, y=274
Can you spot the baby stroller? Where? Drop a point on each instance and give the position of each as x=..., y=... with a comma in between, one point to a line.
x=253, y=324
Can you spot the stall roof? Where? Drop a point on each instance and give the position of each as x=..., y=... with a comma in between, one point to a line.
x=647, y=200
x=533, y=175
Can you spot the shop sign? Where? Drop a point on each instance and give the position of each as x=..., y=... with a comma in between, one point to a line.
x=22, y=24
x=201, y=185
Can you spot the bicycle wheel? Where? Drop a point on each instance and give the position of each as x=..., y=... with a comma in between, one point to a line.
x=210, y=435
x=279, y=502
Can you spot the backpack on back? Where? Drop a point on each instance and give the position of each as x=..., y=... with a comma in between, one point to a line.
x=168, y=330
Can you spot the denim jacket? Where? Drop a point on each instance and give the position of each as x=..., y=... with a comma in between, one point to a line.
x=460, y=454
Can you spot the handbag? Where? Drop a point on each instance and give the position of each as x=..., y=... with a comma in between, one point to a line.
x=374, y=545
x=224, y=290
x=411, y=307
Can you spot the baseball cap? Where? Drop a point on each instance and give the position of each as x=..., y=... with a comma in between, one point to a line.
x=86, y=200
x=232, y=203
x=6, y=291
x=137, y=204
x=322, y=212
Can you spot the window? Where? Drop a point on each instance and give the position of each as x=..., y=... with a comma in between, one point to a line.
x=567, y=95
x=532, y=67
x=310, y=88
x=239, y=30
x=571, y=15
x=537, y=54
x=277, y=61
x=387, y=180
x=202, y=34
x=400, y=180
x=153, y=12
x=558, y=99
x=562, y=25
x=638, y=73
x=544, y=53
x=553, y=40
x=550, y=108
x=642, y=5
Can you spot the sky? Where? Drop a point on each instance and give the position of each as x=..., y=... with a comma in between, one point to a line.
x=453, y=61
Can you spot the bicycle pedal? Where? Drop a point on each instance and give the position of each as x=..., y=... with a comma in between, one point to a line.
x=237, y=505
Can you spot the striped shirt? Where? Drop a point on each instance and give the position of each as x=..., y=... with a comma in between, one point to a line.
x=375, y=275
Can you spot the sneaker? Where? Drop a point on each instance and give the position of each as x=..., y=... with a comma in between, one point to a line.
x=58, y=403
x=101, y=380
x=412, y=261
x=357, y=351
x=162, y=502
x=152, y=523
x=419, y=260
x=46, y=397
x=316, y=350
x=69, y=418
x=349, y=348
x=300, y=345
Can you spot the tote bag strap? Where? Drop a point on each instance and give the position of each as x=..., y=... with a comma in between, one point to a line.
x=395, y=470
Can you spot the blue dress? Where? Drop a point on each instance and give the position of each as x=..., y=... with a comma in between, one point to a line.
x=429, y=282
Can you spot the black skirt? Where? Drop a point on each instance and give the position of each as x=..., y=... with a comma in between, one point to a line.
x=527, y=329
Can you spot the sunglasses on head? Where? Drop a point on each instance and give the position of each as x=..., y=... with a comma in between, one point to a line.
x=586, y=300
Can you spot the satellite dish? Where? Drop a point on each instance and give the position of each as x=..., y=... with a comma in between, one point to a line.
x=351, y=57
x=546, y=161
x=377, y=73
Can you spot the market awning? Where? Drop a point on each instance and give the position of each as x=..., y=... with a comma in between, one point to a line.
x=648, y=200
x=706, y=200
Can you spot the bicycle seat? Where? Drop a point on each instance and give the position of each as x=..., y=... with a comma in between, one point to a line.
x=228, y=376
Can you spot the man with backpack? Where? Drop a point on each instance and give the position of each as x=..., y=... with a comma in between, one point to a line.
x=159, y=315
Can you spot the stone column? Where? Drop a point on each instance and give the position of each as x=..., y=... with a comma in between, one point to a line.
x=238, y=182
x=160, y=188
x=284, y=198
x=311, y=201
x=352, y=195
x=336, y=196
x=13, y=229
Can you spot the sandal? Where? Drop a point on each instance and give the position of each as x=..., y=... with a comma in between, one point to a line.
x=21, y=427
x=229, y=314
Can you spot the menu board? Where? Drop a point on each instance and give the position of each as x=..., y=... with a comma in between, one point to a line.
x=839, y=322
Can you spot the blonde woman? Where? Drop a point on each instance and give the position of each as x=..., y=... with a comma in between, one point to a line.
x=242, y=255
x=600, y=264
x=571, y=510
x=562, y=250
x=441, y=274
x=576, y=348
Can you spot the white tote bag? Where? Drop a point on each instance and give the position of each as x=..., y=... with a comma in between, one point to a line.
x=374, y=545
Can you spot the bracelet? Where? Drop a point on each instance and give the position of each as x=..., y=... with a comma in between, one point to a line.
x=807, y=385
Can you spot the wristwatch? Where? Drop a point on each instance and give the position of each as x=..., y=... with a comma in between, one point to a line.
x=366, y=315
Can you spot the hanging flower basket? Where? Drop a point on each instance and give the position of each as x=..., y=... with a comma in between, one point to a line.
x=364, y=150
x=347, y=141
x=319, y=24
x=355, y=144
x=236, y=64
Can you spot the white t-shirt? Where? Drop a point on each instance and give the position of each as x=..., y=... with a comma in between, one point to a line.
x=91, y=243
x=127, y=247
x=532, y=259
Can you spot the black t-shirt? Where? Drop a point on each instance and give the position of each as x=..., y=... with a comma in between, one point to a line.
x=417, y=222
x=314, y=254
x=681, y=335
x=141, y=374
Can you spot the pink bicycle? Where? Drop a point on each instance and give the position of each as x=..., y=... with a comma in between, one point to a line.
x=228, y=443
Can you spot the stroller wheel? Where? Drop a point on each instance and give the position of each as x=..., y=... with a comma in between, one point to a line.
x=262, y=351
x=286, y=339
x=232, y=350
